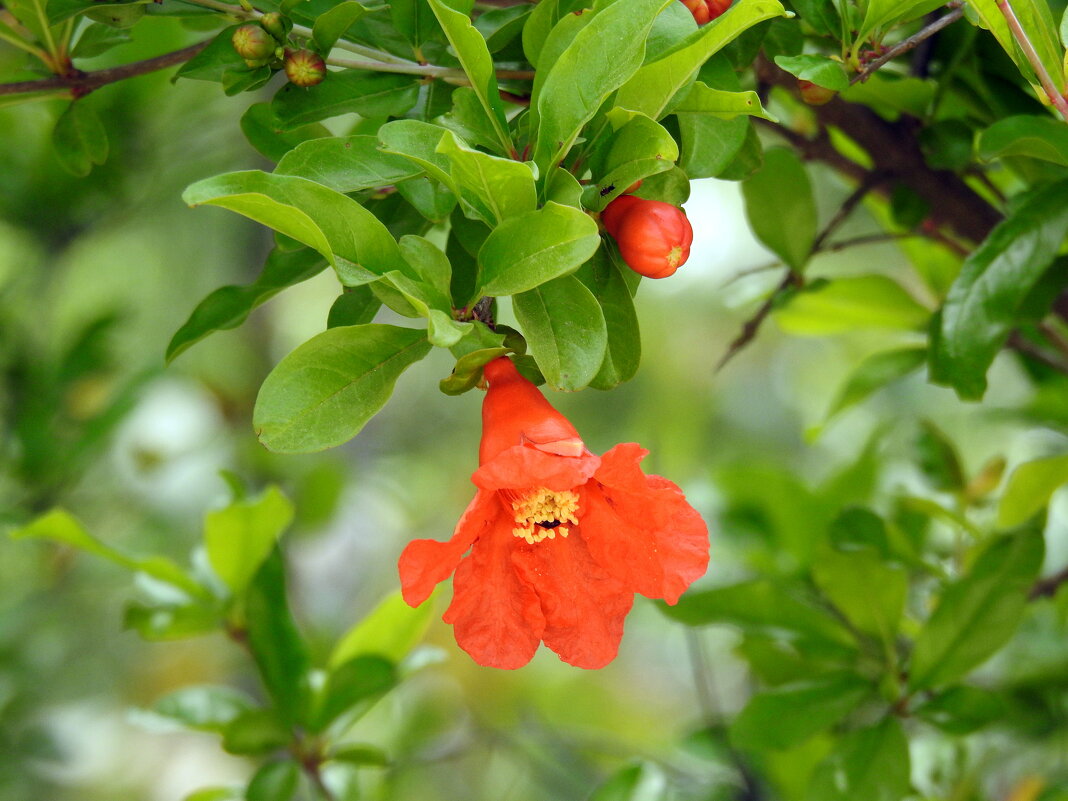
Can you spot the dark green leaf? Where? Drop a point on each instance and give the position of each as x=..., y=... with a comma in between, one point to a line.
x=275, y=781
x=332, y=24
x=790, y=714
x=357, y=680
x=605, y=279
x=229, y=306
x=60, y=10
x=962, y=710
x=369, y=94
x=361, y=755
x=977, y=614
x=874, y=373
x=171, y=622
x=781, y=208
x=263, y=132
x=939, y=460
x=639, y=148
x=870, y=764
x=565, y=330
x=323, y=393
x=983, y=302
x=274, y=641
x=499, y=26
x=80, y=139
x=95, y=40
x=257, y=731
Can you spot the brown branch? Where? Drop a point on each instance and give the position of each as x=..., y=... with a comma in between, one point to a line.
x=1021, y=344
x=907, y=44
x=895, y=152
x=752, y=325
x=82, y=83
x=1047, y=587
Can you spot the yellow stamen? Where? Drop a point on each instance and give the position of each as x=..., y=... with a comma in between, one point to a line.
x=540, y=514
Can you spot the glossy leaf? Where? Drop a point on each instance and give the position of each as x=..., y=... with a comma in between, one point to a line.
x=1029, y=489
x=323, y=393
x=477, y=62
x=604, y=277
x=780, y=207
x=977, y=614
x=790, y=714
x=240, y=536
x=639, y=147
x=1038, y=137
x=851, y=304
x=703, y=99
x=332, y=24
x=347, y=163
x=418, y=142
x=825, y=72
x=601, y=57
x=229, y=306
x=369, y=94
x=984, y=301
x=651, y=88
x=565, y=330
x=533, y=248
x=355, y=306
x=495, y=189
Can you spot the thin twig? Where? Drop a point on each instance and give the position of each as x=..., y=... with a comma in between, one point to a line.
x=1018, y=33
x=907, y=44
x=752, y=325
x=870, y=181
x=82, y=83
x=449, y=74
x=1020, y=344
x=1047, y=587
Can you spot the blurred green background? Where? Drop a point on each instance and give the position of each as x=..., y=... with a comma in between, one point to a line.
x=96, y=275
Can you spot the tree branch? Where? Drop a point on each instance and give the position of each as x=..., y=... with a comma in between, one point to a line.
x=82, y=83
x=907, y=44
x=1018, y=33
x=1047, y=587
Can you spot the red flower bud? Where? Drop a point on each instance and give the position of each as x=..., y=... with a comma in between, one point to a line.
x=813, y=93
x=253, y=43
x=717, y=8
x=654, y=238
x=706, y=10
x=304, y=68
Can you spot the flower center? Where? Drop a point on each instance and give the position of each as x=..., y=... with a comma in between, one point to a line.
x=541, y=514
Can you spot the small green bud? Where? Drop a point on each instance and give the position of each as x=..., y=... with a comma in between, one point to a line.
x=276, y=25
x=253, y=43
x=304, y=68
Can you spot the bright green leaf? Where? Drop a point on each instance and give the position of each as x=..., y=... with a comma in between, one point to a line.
x=347, y=163
x=1029, y=489
x=870, y=764
x=391, y=630
x=240, y=536
x=822, y=71
x=332, y=24
x=781, y=208
x=851, y=304
x=495, y=189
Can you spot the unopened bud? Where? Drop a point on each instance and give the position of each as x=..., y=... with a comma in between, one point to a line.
x=304, y=68
x=276, y=25
x=253, y=43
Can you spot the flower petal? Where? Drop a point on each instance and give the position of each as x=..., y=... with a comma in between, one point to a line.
x=425, y=563
x=641, y=529
x=584, y=606
x=496, y=616
x=528, y=467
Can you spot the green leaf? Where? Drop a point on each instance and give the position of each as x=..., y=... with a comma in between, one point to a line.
x=703, y=99
x=868, y=592
x=526, y=251
x=565, y=330
x=60, y=526
x=1036, y=20
x=977, y=614
x=499, y=26
x=217, y=61
x=96, y=39
x=350, y=237
x=240, y=536
x=938, y=459
x=781, y=208
x=257, y=731
x=874, y=373
x=203, y=708
x=851, y=304
x=1029, y=489
x=347, y=164
x=418, y=141
x=369, y=94
x=652, y=87
x=822, y=71
x=788, y=715
x=359, y=679
x=274, y=641
x=494, y=189
x=391, y=630
x=640, y=147
x=355, y=306
x=275, y=781
x=323, y=393
x=229, y=306
x=80, y=139
x=217, y=794
x=332, y=24
x=983, y=303
x=642, y=782
x=710, y=144
x=477, y=62
x=601, y=57
x=881, y=15
x=61, y=10
x=759, y=605
x=261, y=129
x=171, y=621
x=361, y=755
x=605, y=279
x=870, y=764
x=962, y=710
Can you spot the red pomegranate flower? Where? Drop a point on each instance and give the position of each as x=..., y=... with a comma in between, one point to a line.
x=560, y=539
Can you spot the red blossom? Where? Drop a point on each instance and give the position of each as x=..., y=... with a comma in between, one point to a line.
x=560, y=539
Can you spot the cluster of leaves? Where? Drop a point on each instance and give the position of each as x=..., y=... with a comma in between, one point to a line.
x=236, y=585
